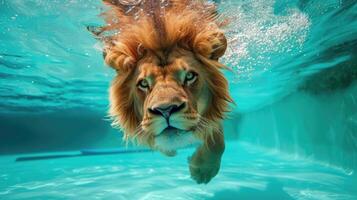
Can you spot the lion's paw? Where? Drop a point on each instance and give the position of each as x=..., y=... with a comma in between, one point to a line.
x=203, y=170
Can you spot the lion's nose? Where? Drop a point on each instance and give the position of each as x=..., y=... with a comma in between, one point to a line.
x=167, y=110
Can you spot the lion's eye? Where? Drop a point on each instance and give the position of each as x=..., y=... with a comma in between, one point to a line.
x=190, y=78
x=143, y=84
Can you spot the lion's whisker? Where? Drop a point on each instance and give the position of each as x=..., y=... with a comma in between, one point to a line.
x=204, y=122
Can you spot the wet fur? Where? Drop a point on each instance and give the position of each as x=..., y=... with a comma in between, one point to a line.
x=157, y=40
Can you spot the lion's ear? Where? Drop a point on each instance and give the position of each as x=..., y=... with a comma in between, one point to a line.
x=119, y=57
x=210, y=44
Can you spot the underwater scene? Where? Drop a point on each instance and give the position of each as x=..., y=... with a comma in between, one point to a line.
x=290, y=132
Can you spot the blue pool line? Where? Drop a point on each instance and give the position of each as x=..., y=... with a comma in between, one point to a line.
x=85, y=152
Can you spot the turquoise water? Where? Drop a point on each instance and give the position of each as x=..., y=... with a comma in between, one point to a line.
x=291, y=135
x=246, y=173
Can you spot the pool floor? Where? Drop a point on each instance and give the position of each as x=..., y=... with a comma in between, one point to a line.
x=246, y=173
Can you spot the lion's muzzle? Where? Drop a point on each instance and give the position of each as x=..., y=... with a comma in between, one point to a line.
x=166, y=110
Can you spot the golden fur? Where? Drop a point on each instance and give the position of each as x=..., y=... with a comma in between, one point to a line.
x=160, y=41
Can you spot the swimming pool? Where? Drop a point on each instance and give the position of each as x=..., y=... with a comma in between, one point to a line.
x=247, y=173
x=291, y=135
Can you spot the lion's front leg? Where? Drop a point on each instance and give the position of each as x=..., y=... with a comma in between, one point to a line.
x=206, y=161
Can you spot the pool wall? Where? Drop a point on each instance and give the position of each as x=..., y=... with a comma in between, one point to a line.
x=318, y=126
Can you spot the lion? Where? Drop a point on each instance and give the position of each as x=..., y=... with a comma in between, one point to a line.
x=169, y=90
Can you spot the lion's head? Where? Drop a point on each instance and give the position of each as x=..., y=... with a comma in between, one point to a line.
x=169, y=89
